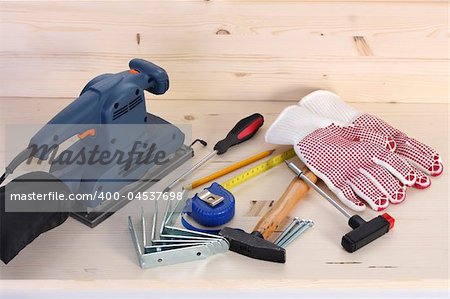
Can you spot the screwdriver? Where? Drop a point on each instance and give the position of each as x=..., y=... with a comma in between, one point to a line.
x=245, y=129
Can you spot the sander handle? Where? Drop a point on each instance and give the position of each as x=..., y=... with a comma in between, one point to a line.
x=283, y=206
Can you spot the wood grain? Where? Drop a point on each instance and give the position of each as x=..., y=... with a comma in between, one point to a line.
x=227, y=59
x=412, y=256
x=238, y=50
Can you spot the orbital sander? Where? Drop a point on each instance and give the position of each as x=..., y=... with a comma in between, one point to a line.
x=120, y=148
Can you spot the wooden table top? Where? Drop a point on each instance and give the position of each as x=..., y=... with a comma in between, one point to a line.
x=413, y=255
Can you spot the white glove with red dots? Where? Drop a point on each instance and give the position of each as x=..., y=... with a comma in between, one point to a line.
x=330, y=105
x=352, y=161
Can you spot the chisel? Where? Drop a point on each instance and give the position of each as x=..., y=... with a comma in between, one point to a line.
x=245, y=129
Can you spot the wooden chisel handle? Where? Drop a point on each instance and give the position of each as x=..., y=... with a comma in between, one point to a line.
x=284, y=205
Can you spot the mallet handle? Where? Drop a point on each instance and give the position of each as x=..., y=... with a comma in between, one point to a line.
x=284, y=205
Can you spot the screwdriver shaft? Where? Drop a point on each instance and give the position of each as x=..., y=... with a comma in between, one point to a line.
x=191, y=170
x=300, y=174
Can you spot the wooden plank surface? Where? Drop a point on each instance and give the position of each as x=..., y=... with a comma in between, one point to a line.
x=387, y=51
x=225, y=60
x=414, y=254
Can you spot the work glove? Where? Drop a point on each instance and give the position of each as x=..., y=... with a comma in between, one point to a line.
x=353, y=162
x=330, y=105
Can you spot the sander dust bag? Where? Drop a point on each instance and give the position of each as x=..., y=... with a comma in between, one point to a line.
x=20, y=228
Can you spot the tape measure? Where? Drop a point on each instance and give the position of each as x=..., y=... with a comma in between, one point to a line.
x=257, y=170
x=214, y=206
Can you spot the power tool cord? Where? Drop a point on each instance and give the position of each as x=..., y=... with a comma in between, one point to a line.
x=19, y=159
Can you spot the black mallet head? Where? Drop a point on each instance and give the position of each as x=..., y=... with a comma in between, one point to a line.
x=365, y=232
x=253, y=245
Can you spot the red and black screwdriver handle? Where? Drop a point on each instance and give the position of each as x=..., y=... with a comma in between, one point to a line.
x=365, y=232
x=242, y=131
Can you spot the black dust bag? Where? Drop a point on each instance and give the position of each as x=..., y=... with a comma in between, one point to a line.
x=18, y=229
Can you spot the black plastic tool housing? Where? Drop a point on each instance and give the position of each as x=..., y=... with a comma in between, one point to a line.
x=253, y=245
x=365, y=232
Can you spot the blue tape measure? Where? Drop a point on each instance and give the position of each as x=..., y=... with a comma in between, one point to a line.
x=214, y=206
x=211, y=207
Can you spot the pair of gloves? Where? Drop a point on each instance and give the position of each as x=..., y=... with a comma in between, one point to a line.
x=361, y=158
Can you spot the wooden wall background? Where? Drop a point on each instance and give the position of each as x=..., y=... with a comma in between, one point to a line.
x=368, y=51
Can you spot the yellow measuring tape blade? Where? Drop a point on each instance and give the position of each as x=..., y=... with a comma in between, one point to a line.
x=257, y=170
